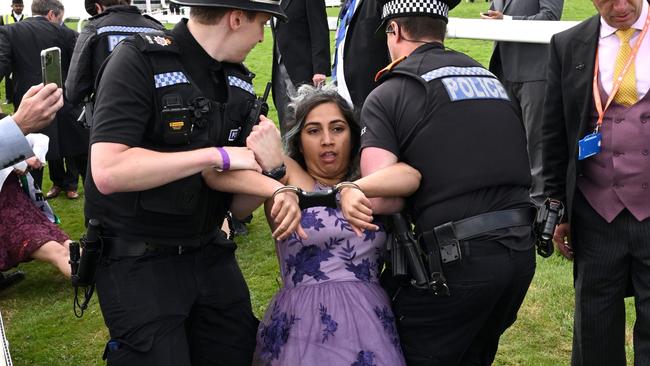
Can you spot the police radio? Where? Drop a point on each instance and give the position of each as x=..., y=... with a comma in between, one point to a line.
x=260, y=107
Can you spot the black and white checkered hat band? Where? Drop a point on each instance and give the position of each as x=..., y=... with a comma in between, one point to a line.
x=421, y=7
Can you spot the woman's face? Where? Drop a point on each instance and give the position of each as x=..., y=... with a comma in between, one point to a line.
x=326, y=143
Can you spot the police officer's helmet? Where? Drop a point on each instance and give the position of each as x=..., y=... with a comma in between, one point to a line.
x=265, y=6
x=408, y=8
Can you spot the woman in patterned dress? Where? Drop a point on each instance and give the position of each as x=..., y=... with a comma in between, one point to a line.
x=25, y=231
x=331, y=309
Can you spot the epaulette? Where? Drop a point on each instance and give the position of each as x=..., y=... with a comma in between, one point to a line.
x=389, y=68
x=156, y=42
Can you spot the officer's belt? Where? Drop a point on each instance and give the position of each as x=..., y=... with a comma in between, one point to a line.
x=443, y=242
x=119, y=247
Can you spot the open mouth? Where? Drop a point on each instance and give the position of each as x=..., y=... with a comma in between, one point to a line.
x=328, y=156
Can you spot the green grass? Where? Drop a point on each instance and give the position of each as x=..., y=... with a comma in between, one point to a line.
x=43, y=331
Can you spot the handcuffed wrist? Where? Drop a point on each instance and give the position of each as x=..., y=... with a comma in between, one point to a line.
x=293, y=189
x=338, y=187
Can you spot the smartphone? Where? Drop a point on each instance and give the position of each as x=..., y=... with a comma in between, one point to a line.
x=51, y=66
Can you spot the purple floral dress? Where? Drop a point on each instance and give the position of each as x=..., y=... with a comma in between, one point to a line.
x=331, y=309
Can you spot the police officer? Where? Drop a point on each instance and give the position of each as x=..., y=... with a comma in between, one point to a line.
x=168, y=106
x=111, y=22
x=444, y=114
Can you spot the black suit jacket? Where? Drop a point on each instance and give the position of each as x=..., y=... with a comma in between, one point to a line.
x=20, y=53
x=365, y=53
x=568, y=106
x=303, y=41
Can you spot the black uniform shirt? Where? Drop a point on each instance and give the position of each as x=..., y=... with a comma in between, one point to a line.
x=388, y=117
x=127, y=118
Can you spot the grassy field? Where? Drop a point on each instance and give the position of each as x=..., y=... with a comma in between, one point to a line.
x=42, y=329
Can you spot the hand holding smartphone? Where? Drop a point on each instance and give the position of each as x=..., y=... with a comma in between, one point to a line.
x=51, y=66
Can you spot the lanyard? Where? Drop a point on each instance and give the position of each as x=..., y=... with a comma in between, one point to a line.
x=619, y=80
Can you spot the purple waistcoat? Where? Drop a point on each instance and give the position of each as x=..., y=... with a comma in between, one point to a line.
x=619, y=176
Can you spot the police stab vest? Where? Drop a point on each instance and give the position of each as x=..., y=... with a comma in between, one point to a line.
x=469, y=136
x=117, y=23
x=186, y=120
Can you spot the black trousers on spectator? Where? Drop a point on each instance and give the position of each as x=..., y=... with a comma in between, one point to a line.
x=65, y=172
x=282, y=86
x=9, y=89
x=528, y=99
x=38, y=177
x=487, y=288
x=607, y=257
x=177, y=310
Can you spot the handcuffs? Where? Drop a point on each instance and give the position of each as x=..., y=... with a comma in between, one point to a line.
x=325, y=198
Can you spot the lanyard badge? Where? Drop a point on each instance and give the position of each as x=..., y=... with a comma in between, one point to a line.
x=590, y=144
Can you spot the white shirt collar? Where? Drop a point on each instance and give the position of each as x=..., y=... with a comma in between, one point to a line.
x=607, y=30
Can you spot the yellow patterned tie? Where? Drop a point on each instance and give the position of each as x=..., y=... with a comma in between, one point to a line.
x=626, y=94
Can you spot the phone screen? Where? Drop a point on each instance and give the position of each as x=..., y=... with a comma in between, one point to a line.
x=51, y=66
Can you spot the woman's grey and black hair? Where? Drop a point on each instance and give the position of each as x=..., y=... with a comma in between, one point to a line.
x=307, y=98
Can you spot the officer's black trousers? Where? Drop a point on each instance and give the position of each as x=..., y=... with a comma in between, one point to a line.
x=189, y=309
x=487, y=288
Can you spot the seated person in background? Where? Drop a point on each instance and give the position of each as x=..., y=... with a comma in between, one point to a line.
x=331, y=309
x=25, y=232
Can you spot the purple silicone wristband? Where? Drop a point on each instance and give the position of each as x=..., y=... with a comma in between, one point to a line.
x=224, y=158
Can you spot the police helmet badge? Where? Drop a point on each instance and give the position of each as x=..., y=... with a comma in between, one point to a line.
x=163, y=41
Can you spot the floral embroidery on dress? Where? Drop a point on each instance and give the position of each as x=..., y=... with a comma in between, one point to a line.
x=361, y=270
x=294, y=239
x=311, y=220
x=387, y=319
x=330, y=324
x=365, y=358
x=307, y=262
x=276, y=334
x=340, y=221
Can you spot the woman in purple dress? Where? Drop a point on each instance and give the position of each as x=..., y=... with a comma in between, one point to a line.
x=331, y=309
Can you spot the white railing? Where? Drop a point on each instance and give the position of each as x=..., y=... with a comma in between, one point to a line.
x=529, y=31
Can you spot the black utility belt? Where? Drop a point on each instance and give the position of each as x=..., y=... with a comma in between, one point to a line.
x=446, y=238
x=118, y=247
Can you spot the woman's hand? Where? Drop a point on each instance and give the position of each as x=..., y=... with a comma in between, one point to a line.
x=30, y=164
x=265, y=141
x=34, y=163
x=357, y=210
x=286, y=215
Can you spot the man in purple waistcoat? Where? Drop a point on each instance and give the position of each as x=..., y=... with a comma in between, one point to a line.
x=607, y=229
